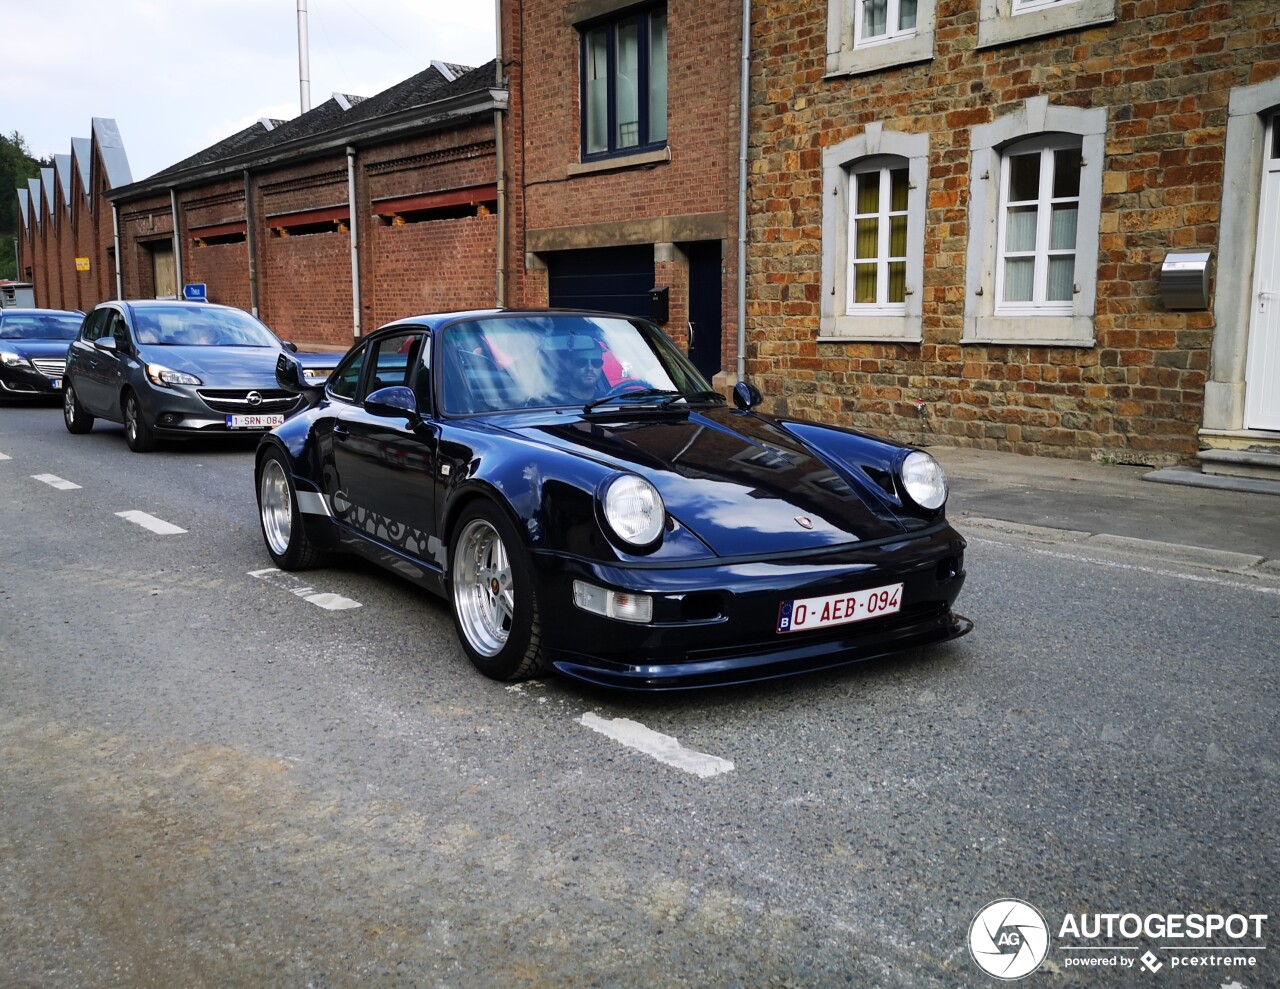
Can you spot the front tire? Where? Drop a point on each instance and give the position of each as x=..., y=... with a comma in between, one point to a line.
x=74, y=414
x=138, y=433
x=495, y=603
x=281, y=518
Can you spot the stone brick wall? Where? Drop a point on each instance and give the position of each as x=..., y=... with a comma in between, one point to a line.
x=1162, y=70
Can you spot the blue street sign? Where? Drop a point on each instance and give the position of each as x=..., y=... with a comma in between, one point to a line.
x=195, y=292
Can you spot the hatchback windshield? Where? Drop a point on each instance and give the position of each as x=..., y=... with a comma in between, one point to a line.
x=39, y=326
x=200, y=326
x=552, y=361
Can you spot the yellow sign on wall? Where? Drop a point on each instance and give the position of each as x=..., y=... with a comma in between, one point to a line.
x=82, y=264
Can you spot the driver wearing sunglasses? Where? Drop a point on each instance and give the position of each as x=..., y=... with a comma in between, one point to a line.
x=584, y=377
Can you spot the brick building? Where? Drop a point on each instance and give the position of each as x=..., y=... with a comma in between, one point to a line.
x=625, y=128
x=961, y=213
x=65, y=226
x=355, y=213
x=966, y=218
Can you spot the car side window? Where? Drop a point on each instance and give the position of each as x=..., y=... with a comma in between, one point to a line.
x=120, y=330
x=96, y=324
x=394, y=360
x=422, y=377
x=346, y=377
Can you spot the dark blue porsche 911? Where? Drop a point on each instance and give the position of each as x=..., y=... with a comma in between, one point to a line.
x=587, y=504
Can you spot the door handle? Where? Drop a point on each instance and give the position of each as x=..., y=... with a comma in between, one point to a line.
x=341, y=431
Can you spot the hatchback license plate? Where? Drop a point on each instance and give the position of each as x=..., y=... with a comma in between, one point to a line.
x=254, y=422
x=804, y=614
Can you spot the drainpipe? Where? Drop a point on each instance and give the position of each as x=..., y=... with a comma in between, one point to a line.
x=355, y=247
x=501, y=164
x=742, y=190
x=177, y=243
x=115, y=241
x=251, y=243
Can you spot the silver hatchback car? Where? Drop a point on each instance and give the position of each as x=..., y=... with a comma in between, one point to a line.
x=170, y=369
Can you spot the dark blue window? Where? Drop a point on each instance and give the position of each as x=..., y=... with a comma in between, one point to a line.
x=624, y=83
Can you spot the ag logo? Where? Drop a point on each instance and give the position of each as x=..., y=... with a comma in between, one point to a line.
x=1008, y=939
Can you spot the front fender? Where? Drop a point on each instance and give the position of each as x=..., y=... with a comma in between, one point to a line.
x=551, y=497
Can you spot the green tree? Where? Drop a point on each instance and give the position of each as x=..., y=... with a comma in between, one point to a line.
x=16, y=166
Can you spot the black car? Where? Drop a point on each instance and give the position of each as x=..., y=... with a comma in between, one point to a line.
x=588, y=504
x=33, y=350
x=175, y=370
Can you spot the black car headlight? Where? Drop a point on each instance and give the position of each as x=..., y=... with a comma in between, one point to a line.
x=634, y=510
x=924, y=480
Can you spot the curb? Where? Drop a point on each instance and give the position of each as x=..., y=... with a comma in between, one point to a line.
x=1197, y=556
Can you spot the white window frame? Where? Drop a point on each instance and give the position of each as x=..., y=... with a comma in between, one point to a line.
x=1001, y=22
x=1042, y=252
x=873, y=149
x=893, y=15
x=849, y=54
x=882, y=167
x=1022, y=6
x=983, y=321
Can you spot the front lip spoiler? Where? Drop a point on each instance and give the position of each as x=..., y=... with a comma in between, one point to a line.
x=749, y=668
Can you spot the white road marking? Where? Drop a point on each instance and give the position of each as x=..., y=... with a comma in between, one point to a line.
x=4, y=456
x=159, y=526
x=329, y=602
x=664, y=748
x=321, y=599
x=54, y=481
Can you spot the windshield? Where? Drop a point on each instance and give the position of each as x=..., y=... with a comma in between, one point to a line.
x=200, y=326
x=40, y=326
x=561, y=360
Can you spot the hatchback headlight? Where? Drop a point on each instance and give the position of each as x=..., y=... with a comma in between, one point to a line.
x=925, y=480
x=10, y=359
x=164, y=377
x=634, y=509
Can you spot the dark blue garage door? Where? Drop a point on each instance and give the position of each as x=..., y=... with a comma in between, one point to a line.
x=614, y=279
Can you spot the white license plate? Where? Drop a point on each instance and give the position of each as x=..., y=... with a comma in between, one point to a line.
x=804, y=614
x=254, y=422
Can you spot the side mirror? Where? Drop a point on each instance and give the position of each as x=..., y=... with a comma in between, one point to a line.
x=107, y=343
x=746, y=396
x=291, y=347
x=392, y=402
x=289, y=374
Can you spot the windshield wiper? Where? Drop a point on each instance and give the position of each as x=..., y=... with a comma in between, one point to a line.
x=626, y=392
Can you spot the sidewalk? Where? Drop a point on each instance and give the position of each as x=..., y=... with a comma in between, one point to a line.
x=1227, y=529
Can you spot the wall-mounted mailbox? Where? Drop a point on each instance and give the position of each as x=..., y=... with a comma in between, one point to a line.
x=659, y=305
x=1184, y=280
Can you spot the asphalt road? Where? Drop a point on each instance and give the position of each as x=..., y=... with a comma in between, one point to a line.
x=211, y=776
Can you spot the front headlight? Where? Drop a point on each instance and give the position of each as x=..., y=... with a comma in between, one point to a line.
x=164, y=377
x=10, y=359
x=634, y=509
x=925, y=480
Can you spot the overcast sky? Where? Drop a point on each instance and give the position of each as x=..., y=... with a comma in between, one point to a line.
x=180, y=75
